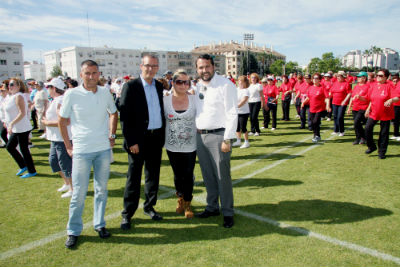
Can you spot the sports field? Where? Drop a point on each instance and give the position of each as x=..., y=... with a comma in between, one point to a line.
x=296, y=203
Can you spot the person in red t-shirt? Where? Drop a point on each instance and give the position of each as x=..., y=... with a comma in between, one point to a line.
x=341, y=92
x=319, y=104
x=396, y=120
x=271, y=95
x=296, y=89
x=286, y=90
x=358, y=107
x=328, y=85
x=305, y=107
x=381, y=97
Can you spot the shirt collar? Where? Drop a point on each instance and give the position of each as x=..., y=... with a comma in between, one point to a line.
x=153, y=82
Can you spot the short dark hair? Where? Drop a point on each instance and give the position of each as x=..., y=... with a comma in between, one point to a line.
x=206, y=57
x=89, y=63
x=385, y=71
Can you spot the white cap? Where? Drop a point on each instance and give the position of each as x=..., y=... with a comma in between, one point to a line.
x=56, y=82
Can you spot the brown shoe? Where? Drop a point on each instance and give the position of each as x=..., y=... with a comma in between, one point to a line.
x=179, y=207
x=188, y=210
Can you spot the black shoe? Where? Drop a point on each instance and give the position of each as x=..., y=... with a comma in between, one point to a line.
x=103, y=233
x=125, y=223
x=370, y=150
x=154, y=215
x=228, y=221
x=356, y=142
x=382, y=156
x=206, y=214
x=40, y=131
x=71, y=241
x=302, y=127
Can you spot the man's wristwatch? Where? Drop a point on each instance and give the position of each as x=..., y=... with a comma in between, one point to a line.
x=113, y=136
x=227, y=141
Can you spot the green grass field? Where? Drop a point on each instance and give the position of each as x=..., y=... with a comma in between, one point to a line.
x=297, y=204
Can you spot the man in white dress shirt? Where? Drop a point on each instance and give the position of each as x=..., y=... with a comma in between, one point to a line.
x=216, y=122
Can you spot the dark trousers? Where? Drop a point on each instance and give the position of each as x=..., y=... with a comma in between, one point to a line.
x=150, y=156
x=242, y=123
x=303, y=117
x=396, y=121
x=3, y=132
x=298, y=106
x=267, y=117
x=329, y=114
x=254, y=111
x=338, y=117
x=183, y=165
x=24, y=160
x=34, y=119
x=383, y=140
x=316, y=122
x=286, y=109
x=359, y=121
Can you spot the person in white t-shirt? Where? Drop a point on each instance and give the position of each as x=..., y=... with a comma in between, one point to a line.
x=243, y=112
x=256, y=101
x=40, y=102
x=59, y=159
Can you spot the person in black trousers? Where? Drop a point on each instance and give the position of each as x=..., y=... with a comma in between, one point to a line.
x=143, y=127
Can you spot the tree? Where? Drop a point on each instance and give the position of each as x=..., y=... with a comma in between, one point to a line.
x=276, y=68
x=291, y=67
x=56, y=71
x=366, y=54
x=375, y=51
x=327, y=63
x=313, y=66
x=253, y=64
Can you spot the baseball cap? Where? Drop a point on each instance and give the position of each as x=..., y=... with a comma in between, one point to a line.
x=56, y=82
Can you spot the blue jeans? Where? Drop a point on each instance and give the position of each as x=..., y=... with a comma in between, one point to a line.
x=81, y=167
x=338, y=117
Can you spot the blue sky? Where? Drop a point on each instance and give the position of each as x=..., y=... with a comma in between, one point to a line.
x=300, y=30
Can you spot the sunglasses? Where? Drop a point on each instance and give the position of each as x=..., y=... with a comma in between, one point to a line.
x=12, y=84
x=380, y=75
x=316, y=78
x=180, y=82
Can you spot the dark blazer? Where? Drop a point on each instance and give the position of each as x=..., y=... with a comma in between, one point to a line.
x=134, y=114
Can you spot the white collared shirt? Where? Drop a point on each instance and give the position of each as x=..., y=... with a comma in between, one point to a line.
x=216, y=105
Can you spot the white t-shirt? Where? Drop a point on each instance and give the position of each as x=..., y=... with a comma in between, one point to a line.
x=40, y=99
x=11, y=112
x=254, y=91
x=53, y=133
x=2, y=102
x=242, y=93
x=89, y=113
x=180, y=130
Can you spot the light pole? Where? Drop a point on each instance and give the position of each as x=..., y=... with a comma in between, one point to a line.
x=248, y=37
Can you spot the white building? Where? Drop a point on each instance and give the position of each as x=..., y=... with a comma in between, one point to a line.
x=34, y=70
x=11, y=61
x=113, y=62
x=388, y=59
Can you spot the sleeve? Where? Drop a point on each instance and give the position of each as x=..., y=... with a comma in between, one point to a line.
x=231, y=110
x=66, y=107
x=111, y=108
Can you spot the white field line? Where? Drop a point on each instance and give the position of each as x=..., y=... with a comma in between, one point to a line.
x=201, y=198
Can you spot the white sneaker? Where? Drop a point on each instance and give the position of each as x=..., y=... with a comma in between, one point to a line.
x=251, y=133
x=398, y=139
x=67, y=194
x=63, y=188
x=43, y=136
x=263, y=127
x=328, y=119
x=334, y=133
x=256, y=134
x=394, y=138
x=297, y=117
x=237, y=143
x=273, y=129
x=316, y=139
x=341, y=134
x=246, y=144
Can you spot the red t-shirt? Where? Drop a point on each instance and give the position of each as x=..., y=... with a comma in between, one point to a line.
x=339, y=92
x=284, y=88
x=317, y=96
x=377, y=95
x=328, y=86
x=303, y=88
x=362, y=90
x=398, y=93
x=334, y=79
x=270, y=91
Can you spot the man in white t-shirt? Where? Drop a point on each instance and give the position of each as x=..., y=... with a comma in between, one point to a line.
x=93, y=116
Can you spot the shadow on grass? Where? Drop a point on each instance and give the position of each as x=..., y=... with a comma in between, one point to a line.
x=275, y=156
x=317, y=211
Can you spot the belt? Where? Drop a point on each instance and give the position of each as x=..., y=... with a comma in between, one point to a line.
x=152, y=131
x=210, y=131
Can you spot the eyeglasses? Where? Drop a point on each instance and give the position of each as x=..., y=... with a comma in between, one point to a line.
x=12, y=84
x=316, y=78
x=180, y=82
x=50, y=86
x=148, y=66
x=380, y=75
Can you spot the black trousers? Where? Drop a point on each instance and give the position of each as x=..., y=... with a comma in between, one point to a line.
x=150, y=156
x=183, y=165
x=24, y=160
x=338, y=118
x=303, y=117
x=34, y=118
x=359, y=121
x=3, y=132
x=396, y=121
x=383, y=140
x=272, y=108
x=298, y=105
x=242, y=123
x=316, y=122
x=254, y=111
x=286, y=109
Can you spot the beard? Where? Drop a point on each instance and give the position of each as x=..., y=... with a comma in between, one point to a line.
x=206, y=76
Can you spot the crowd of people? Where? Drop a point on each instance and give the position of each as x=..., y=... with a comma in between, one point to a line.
x=203, y=117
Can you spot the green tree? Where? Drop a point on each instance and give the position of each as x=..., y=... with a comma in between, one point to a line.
x=375, y=51
x=314, y=64
x=291, y=67
x=253, y=64
x=276, y=68
x=366, y=54
x=56, y=71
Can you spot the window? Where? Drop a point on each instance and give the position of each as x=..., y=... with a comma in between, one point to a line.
x=16, y=63
x=2, y=50
x=3, y=62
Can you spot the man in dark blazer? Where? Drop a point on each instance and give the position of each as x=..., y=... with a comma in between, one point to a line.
x=143, y=127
